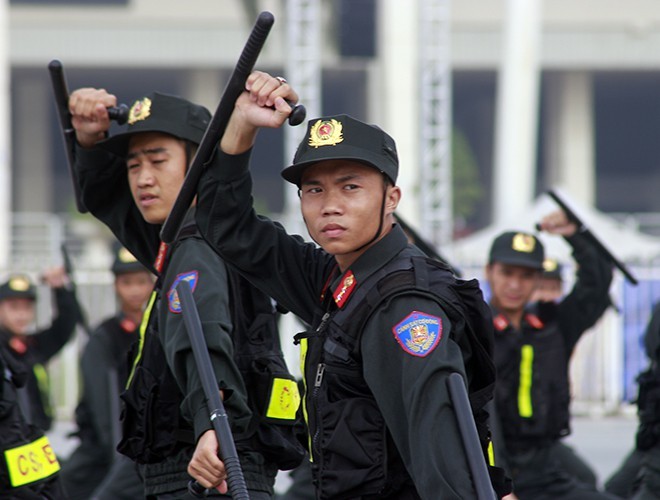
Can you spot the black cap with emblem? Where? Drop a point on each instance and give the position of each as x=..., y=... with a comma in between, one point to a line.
x=517, y=248
x=125, y=262
x=342, y=137
x=552, y=269
x=18, y=286
x=163, y=113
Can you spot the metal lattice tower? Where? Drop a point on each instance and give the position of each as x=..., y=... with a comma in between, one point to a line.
x=435, y=123
x=303, y=69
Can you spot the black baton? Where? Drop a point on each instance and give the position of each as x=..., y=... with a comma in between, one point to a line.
x=217, y=413
x=583, y=229
x=424, y=245
x=470, y=438
x=216, y=127
x=81, y=318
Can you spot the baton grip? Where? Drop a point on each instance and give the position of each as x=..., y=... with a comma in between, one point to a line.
x=235, y=479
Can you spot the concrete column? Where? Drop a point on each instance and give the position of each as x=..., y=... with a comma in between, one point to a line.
x=569, y=152
x=5, y=153
x=32, y=166
x=516, y=115
x=396, y=92
x=205, y=86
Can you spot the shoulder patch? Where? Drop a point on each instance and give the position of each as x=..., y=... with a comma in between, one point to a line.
x=418, y=333
x=173, y=302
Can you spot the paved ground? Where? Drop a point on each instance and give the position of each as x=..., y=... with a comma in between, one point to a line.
x=602, y=440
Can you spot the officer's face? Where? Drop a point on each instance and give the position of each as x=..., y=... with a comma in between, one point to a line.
x=16, y=315
x=341, y=203
x=511, y=286
x=133, y=290
x=156, y=168
x=549, y=290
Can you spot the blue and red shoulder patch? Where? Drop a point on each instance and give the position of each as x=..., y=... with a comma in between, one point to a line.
x=418, y=333
x=173, y=302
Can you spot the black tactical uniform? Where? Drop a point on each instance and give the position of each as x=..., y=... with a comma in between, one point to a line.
x=29, y=468
x=182, y=405
x=639, y=475
x=380, y=420
x=532, y=393
x=104, y=370
x=34, y=351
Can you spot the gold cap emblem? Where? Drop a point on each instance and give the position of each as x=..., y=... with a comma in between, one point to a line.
x=523, y=243
x=139, y=111
x=325, y=133
x=549, y=265
x=125, y=256
x=19, y=284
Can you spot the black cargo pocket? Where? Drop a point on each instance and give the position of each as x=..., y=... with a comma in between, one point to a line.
x=147, y=434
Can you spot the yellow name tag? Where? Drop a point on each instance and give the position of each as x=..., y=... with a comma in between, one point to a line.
x=31, y=462
x=284, y=399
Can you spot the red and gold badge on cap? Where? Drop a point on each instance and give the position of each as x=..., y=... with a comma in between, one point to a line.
x=523, y=243
x=139, y=111
x=325, y=133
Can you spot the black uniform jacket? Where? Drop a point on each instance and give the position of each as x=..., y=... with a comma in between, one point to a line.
x=105, y=191
x=34, y=351
x=410, y=390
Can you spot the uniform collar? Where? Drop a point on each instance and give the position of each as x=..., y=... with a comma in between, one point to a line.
x=501, y=323
x=375, y=257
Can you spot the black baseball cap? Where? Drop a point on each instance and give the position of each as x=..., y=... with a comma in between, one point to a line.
x=517, y=248
x=125, y=262
x=552, y=269
x=18, y=286
x=163, y=113
x=342, y=137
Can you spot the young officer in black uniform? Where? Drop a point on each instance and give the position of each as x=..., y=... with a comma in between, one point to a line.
x=33, y=351
x=104, y=371
x=130, y=182
x=638, y=477
x=380, y=420
x=533, y=346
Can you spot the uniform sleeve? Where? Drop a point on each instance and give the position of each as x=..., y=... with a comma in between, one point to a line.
x=283, y=266
x=589, y=297
x=97, y=367
x=103, y=184
x=408, y=357
x=194, y=261
x=48, y=342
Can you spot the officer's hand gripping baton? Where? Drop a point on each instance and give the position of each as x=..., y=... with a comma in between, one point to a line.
x=61, y=93
x=217, y=413
x=470, y=438
x=216, y=127
x=583, y=229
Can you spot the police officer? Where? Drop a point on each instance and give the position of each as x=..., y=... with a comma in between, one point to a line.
x=130, y=182
x=638, y=477
x=19, y=440
x=33, y=350
x=380, y=420
x=533, y=346
x=104, y=370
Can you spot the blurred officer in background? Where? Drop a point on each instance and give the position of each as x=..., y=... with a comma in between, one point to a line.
x=33, y=350
x=104, y=369
x=533, y=346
